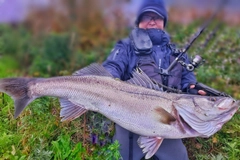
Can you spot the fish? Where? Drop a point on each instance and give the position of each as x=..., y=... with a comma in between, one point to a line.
x=138, y=104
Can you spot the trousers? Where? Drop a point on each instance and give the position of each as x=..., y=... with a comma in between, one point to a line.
x=170, y=149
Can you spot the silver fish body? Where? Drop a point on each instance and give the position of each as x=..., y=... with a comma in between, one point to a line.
x=147, y=112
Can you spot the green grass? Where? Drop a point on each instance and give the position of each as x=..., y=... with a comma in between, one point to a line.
x=8, y=66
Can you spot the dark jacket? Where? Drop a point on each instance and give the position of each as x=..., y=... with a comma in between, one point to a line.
x=123, y=58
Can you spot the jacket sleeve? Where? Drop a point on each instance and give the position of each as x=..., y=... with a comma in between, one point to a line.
x=117, y=62
x=188, y=77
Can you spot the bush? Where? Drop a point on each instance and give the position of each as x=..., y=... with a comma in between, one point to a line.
x=53, y=56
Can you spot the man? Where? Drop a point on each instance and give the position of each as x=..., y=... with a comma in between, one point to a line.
x=151, y=58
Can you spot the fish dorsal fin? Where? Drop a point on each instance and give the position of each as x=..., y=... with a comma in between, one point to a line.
x=70, y=111
x=141, y=79
x=149, y=145
x=93, y=69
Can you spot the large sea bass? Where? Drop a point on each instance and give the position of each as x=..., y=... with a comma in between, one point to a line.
x=153, y=114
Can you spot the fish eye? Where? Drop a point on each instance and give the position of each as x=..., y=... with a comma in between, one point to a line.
x=212, y=99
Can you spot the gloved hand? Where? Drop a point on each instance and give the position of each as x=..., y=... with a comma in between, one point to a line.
x=193, y=90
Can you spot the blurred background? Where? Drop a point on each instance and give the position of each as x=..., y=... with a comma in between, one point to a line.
x=15, y=11
x=74, y=33
x=43, y=38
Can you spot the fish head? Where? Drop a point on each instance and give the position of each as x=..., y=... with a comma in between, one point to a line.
x=206, y=114
x=212, y=108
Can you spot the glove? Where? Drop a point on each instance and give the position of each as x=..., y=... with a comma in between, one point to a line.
x=196, y=90
x=192, y=91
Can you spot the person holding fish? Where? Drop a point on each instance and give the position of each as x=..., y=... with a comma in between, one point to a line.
x=148, y=48
x=154, y=119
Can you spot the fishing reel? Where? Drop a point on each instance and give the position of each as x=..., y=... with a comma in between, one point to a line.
x=196, y=61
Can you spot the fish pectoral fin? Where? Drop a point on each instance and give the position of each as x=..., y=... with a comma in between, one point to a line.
x=150, y=145
x=70, y=111
x=164, y=116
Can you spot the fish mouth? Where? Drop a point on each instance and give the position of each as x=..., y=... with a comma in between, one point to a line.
x=221, y=103
x=191, y=123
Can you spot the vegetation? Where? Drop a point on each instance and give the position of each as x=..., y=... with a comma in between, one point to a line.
x=59, y=49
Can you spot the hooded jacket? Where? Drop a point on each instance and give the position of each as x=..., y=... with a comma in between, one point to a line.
x=123, y=60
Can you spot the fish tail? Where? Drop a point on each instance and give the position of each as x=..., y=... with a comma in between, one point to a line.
x=18, y=89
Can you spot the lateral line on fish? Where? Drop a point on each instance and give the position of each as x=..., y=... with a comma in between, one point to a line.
x=146, y=94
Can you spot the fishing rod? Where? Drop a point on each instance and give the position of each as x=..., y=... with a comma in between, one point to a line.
x=197, y=60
